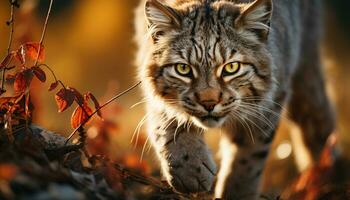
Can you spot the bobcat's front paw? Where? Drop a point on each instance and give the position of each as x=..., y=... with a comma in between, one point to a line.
x=191, y=168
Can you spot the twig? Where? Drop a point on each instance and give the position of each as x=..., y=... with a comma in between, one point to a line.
x=141, y=179
x=53, y=74
x=10, y=23
x=37, y=58
x=100, y=108
x=44, y=31
x=128, y=174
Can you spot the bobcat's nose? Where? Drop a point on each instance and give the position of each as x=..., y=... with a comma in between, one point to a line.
x=208, y=105
x=208, y=98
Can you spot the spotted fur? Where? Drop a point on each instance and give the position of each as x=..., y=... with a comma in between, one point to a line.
x=269, y=41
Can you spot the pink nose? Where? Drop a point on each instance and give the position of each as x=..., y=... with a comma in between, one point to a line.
x=208, y=105
x=208, y=98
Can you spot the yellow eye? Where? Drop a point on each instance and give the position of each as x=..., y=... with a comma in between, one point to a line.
x=183, y=69
x=231, y=68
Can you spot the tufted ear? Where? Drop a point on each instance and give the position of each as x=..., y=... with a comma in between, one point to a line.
x=256, y=17
x=160, y=18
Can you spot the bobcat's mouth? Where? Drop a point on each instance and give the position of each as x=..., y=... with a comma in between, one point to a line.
x=211, y=121
x=210, y=117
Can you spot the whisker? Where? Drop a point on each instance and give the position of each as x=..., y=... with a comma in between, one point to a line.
x=177, y=127
x=169, y=123
x=137, y=131
x=144, y=147
x=252, y=122
x=138, y=103
x=266, y=109
x=254, y=113
x=245, y=125
x=263, y=99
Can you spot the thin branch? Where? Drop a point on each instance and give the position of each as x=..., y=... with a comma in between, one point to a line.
x=53, y=74
x=10, y=23
x=100, y=108
x=141, y=179
x=44, y=31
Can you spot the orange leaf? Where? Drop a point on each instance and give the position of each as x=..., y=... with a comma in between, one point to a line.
x=33, y=49
x=39, y=73
x=96, y=103
x=80, y=116
x=64, y=99
x=20, y=82
x=78, y=96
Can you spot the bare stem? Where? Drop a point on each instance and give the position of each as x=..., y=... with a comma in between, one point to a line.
x=44, y=31
x=11, y=23
x=53, y=74
x=100, y=108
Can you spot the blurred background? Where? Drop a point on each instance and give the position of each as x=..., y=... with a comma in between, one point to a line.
x=89, y=46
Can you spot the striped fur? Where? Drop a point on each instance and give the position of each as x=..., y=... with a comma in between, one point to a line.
x=206, y=35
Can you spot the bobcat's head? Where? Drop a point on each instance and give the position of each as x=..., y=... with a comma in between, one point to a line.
x=208, y=60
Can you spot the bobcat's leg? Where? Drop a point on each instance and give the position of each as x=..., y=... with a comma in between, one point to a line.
x=243, y=160
x=185, y=159
x=309, y=106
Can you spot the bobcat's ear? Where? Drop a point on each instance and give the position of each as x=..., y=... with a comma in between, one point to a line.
x=160, y=18
x=256, y=17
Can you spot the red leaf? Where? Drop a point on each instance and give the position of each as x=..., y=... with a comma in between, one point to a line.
x=6, y=61
x=64, y=99
x=80, y=116
x=39, y=73
x=53, y=86
x=20, y=82
x=78, y=96
x=96, y=103
x=33, y=51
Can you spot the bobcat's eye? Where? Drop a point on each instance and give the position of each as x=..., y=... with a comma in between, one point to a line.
x=183, y=70
x=231, y=69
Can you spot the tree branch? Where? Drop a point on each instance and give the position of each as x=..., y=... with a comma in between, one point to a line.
x=44, y=31
x=100, y=108
x=10, y=23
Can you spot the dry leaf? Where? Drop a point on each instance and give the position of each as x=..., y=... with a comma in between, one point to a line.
x=20, y=82
x=39, y=73
x=78, y=96
x=80, y=116
x=64, y=99
x=53, y=86
x=32, y=49
x=89, y=95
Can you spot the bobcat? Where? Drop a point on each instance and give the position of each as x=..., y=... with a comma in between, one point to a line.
x=233, y=65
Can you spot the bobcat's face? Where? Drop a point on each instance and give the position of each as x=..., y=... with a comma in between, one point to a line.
x=206, y=64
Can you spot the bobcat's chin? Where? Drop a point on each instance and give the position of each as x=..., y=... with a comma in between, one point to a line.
x=209, y=121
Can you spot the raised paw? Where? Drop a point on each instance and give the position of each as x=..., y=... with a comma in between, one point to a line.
x=190, y=166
